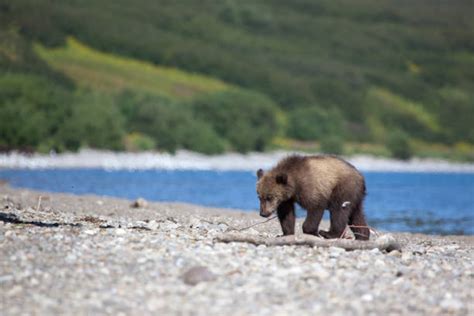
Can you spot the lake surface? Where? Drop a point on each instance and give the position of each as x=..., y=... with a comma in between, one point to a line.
x=437, y=203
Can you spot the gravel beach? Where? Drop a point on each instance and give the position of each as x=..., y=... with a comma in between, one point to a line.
x=76, y=255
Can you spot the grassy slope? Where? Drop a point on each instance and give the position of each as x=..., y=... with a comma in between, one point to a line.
x=110, y=73
x=410, y=60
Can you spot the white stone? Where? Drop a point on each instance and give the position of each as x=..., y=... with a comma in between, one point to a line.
x=367, y=297
x=335, y=252
x=451, y=304
x=153, y=225
x=379, y=263
x=120, y=231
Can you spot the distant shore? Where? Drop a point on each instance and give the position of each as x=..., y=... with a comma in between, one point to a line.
x=185, y=160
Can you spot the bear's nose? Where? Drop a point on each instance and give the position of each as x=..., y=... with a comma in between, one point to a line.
x=264, y=214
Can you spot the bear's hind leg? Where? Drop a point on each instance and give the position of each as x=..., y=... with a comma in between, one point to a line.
x=311, y=223
x=357, y=218
x=339, y=220
x=286, y=215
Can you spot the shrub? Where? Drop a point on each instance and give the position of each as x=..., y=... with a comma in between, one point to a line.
x=31, y=112
x=138, y=142
x=171, y=125
x=314, y=123
x=95, y=122
x=332, y=145
x=247, y=120
x=399, y=145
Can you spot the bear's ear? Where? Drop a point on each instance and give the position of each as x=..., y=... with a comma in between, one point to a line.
x=282, y=178
x=259, y=173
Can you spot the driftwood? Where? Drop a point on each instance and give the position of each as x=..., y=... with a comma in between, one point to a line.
x=384, y=242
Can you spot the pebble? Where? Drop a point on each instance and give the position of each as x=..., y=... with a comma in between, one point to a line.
x=5, y=278
x=379, y=264
x=318, y=271
x=335, y=252
x=153, y=225
x=367, y=297
x=375, y=251
x=16, y=289
x=198, y=274
x=395, y=253
x=406, y=257
x=139, y=203
x=120, y=231
x=451, y=304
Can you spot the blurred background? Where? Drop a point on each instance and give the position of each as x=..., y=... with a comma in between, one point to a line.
x=392, y=79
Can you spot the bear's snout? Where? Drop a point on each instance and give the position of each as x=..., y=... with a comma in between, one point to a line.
x=265, y=214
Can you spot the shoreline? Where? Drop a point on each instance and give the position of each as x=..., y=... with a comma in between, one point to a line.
x=69, y=254
x=185, y=160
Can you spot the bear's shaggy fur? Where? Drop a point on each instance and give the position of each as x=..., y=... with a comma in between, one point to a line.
x=316, y=183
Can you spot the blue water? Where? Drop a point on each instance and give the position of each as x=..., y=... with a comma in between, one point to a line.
x=415, y=202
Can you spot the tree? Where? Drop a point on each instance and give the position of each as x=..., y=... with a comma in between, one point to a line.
x=247, y=120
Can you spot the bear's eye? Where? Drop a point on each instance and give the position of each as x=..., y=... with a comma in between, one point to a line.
x=269, y=198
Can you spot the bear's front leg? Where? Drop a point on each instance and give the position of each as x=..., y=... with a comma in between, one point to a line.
x=311, y=223
x=286, y=215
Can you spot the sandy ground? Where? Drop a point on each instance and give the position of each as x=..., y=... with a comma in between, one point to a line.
x=75, y=255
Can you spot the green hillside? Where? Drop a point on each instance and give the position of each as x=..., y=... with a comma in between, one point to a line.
x=109, y=73
x=395, y=77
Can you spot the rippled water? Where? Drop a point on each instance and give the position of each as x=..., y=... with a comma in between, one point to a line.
x=415, y=202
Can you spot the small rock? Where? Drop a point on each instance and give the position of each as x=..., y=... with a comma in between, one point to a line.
x=430, y=274
x=34, y=282
x=71, y=258
x=335, y=252
x=6, y=278
x=169, y=225
x=379, y=263
x=419, y=250
x=375, y=251
x=407, y=257
x=14, y=290
x=194, y=222
x=446, y=266
x=451, y=304
x=452, y=247
x=152, y=225
x=222, y=227
x=367, y=297
x=139, y=203
x=252, y=231
x=320, y=272
x=120, y=232
x=388, y=239
x=198, y=274
x=395, y=253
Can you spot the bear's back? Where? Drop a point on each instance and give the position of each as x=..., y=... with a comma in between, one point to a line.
x=321, y=174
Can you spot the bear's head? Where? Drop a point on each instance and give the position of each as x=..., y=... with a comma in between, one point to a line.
x=273, y=188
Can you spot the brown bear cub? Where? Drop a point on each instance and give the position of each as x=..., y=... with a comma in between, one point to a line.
x=316, y=183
